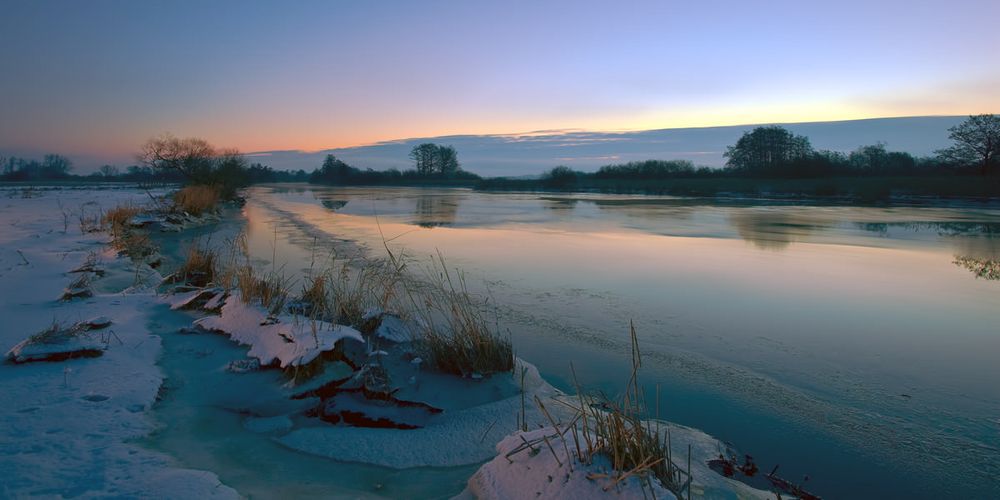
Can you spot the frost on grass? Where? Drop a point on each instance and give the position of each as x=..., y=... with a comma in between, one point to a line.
x=283, y=339
x=58, y=343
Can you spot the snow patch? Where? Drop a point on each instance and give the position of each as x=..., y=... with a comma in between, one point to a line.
x=287, y=340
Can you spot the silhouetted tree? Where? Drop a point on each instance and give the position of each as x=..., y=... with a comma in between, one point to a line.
x=55, y=166
x=198, y=162
x=767, y=150
x=977, y=142
x=425, y=157
x=446, y=162
x=191, y=157
x=108, y=170
x=560, y=177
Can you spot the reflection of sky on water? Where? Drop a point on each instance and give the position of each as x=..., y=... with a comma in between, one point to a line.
x=841, y=309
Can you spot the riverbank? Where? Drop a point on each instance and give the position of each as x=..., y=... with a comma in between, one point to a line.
x=119, y=388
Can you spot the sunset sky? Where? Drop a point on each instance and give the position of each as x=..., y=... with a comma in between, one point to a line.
x=93, y=79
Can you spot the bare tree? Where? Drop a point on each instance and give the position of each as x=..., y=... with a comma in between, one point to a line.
x=109, y=170
x=977, y=142
x=192, y=157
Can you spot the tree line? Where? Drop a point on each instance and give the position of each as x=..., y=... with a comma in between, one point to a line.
x=764, y=152
x=776, y=152
x=432, y=164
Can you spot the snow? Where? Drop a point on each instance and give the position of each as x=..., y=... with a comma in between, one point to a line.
x=529, y=472
x=184, y=300
x=74, y=344
x=291, y=341
x=470, y=432
x=542, y=473
x=68, y=428
x=394, y=329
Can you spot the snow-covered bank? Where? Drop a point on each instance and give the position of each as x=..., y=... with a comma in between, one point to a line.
x=66, y=427
x=459, y=437
x=542, y=472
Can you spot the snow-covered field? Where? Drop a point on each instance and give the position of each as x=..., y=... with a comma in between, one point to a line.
x=66, y=427
x=69, y=427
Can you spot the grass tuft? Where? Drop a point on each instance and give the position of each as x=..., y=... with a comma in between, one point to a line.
x=124, y=238
x=199, y=268
x=616, y=428
x=269, y=290
x=457, y=337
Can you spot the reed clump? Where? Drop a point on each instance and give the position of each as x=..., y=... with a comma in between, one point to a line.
x=457, y=336
x=196, y=199
x=124, y=238
x=616, y=429
x=357, y=288
x=267, y=289
x=199, y=267
x=118, y=219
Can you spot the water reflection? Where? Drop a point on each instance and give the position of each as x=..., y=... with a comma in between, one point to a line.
x=656, y=210
x=433, y=210
x=982, y=268
x=333, y=205
x=559, y=203
x=771, y=230
x=946, y=228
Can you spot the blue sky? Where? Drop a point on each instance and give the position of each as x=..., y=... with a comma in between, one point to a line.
x=94, y=79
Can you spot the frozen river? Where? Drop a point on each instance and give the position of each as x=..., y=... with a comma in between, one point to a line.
x=842, y=343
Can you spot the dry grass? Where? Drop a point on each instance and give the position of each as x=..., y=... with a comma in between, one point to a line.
x=457, y=336
x=357, y=287
x=118, y=218
x=58, y=333
x=196, y=199
x=316, y=295
x=615, y=428
x=124, y=238
x=198, y=268
x=80, y=282
x=269, y=290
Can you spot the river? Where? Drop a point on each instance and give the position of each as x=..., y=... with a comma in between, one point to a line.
x=843, y=343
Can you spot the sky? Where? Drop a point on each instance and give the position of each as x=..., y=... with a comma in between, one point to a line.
x=95, y=79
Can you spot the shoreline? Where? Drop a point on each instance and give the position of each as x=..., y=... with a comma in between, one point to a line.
x=146, y=313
